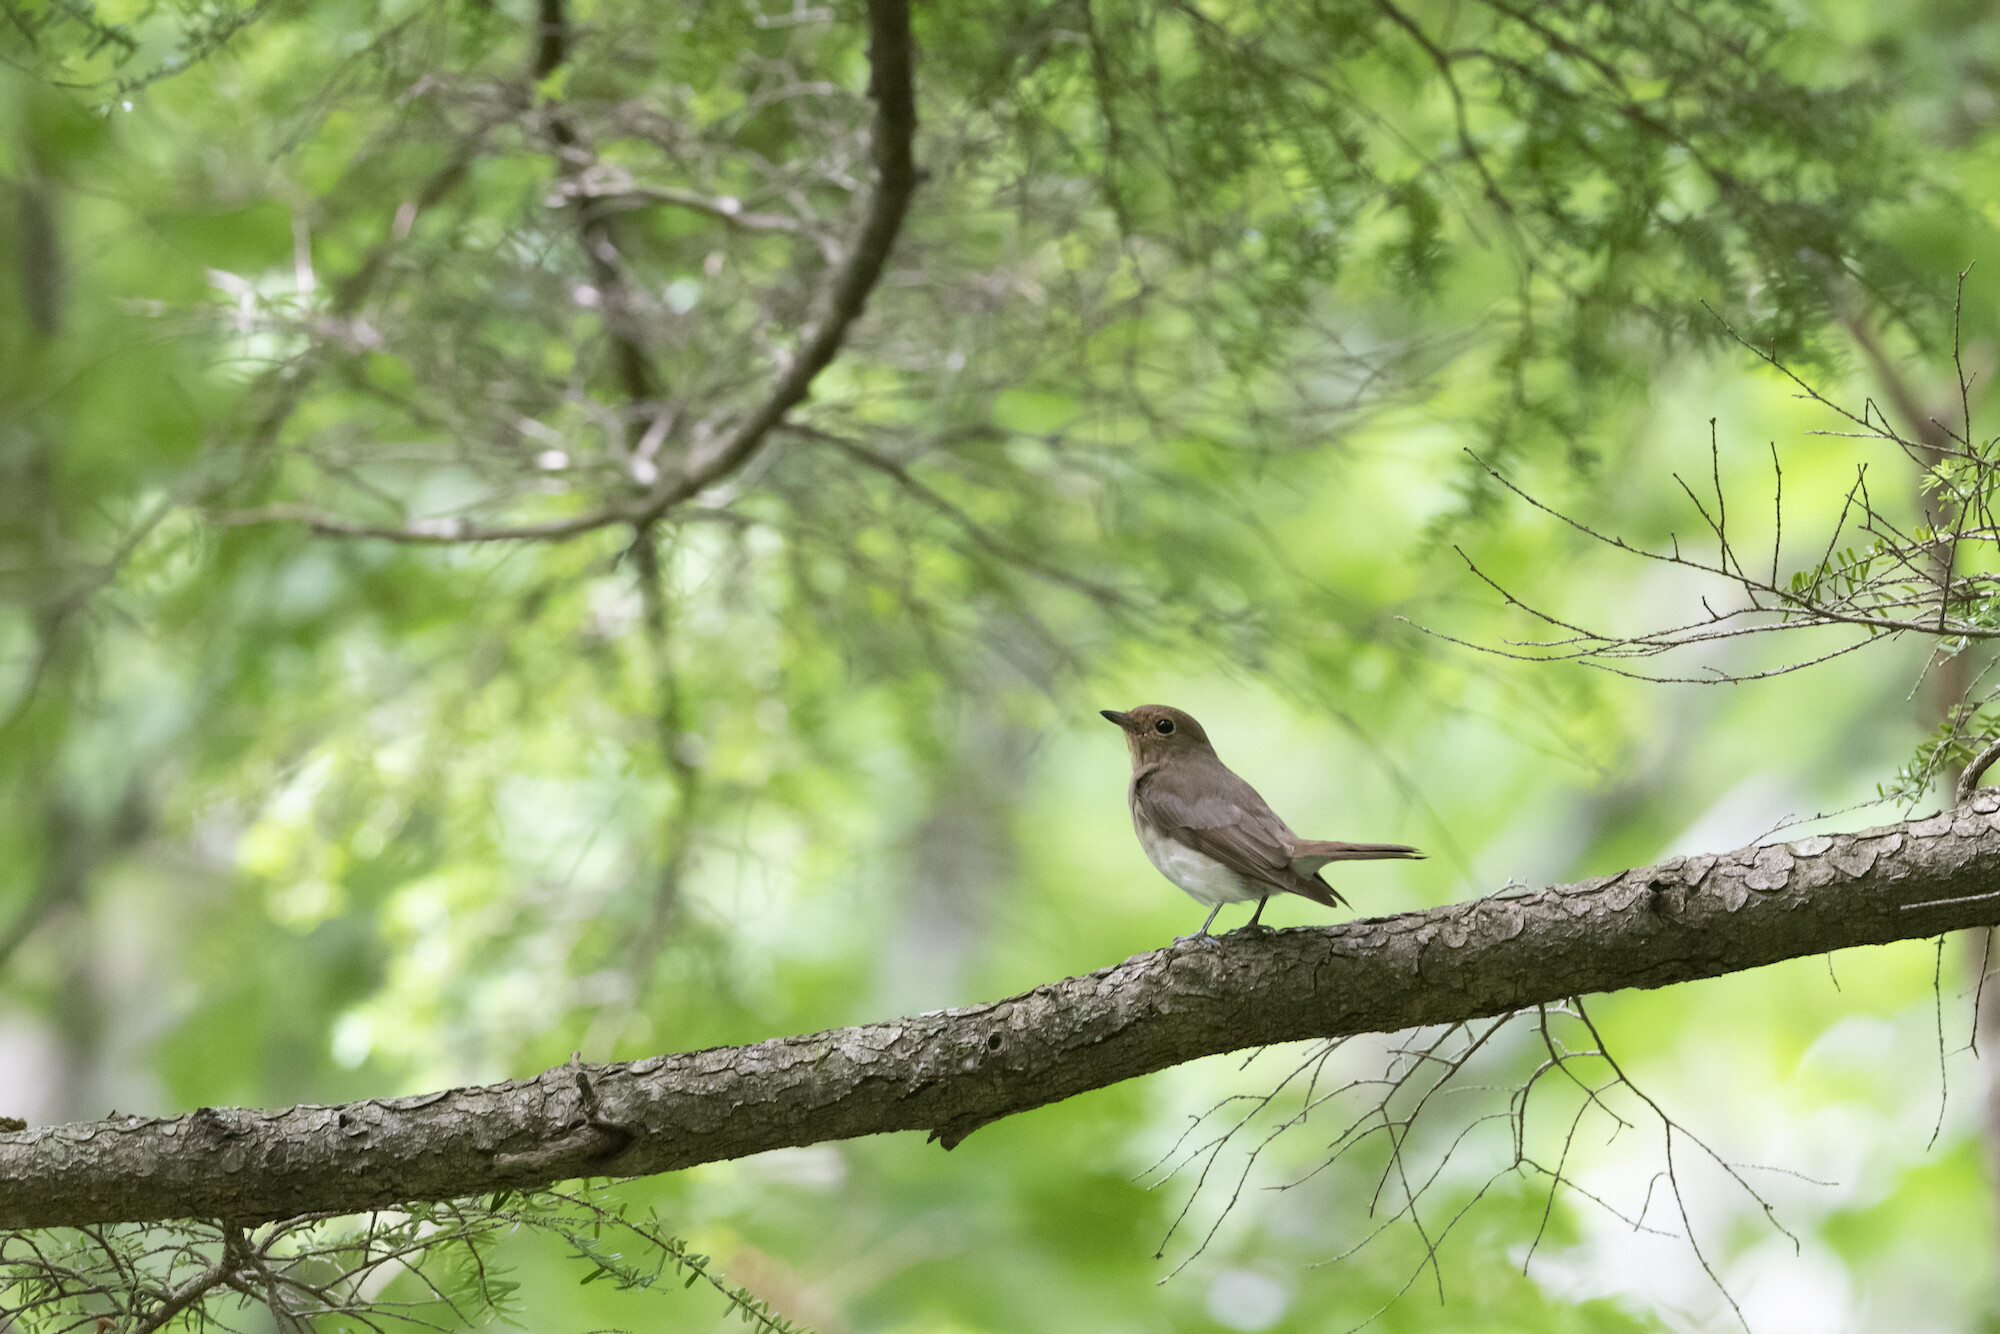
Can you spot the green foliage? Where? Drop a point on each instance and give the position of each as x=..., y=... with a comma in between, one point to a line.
x=428, y=1266
x=1163, y=396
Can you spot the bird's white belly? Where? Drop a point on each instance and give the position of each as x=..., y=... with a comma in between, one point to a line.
x=1205, y=879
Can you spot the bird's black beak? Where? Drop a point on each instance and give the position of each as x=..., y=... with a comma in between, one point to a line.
x=1124, y=720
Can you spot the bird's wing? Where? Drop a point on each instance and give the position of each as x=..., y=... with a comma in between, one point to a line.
x=1208, y=808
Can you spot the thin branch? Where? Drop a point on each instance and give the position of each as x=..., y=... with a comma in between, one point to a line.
x=623, y=193
x=424, y=532
x=179, y=1299
x=1102, y=594
x=1968, y=782
x=891, y=85
x=1442, y=61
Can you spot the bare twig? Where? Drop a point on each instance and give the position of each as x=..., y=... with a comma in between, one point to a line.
x=1873, y=577
x=621, y=192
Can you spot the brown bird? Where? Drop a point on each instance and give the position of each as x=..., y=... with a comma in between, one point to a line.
x=1209, y=832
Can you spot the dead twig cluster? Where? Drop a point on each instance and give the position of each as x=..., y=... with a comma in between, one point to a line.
x=1453, y=1114
x=1877, y=573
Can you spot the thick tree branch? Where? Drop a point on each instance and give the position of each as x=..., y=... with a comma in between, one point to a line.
x=954, y=1071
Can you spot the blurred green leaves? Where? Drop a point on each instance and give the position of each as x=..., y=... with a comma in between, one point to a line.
x=1164, y=394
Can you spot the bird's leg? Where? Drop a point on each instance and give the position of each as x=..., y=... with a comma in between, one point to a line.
x=1251, y=925
x=1203, y=933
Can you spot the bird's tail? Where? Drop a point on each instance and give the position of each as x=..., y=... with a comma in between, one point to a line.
x=1319, y=891
x=1309, y=854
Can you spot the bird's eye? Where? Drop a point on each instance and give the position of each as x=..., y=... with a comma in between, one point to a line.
x=1164, y=726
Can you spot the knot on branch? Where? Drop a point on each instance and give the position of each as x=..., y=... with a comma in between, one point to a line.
x=951, y=1134
x=590, y=1139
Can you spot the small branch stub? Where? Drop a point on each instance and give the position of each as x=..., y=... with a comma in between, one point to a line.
x=1968, y=782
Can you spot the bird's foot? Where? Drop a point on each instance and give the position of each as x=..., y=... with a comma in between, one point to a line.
x=1200, y=939
x=1254, y=929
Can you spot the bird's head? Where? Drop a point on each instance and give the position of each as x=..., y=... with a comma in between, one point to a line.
x=1156, y=731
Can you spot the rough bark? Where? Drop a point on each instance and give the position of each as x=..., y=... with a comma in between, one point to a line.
x=955, y=1070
